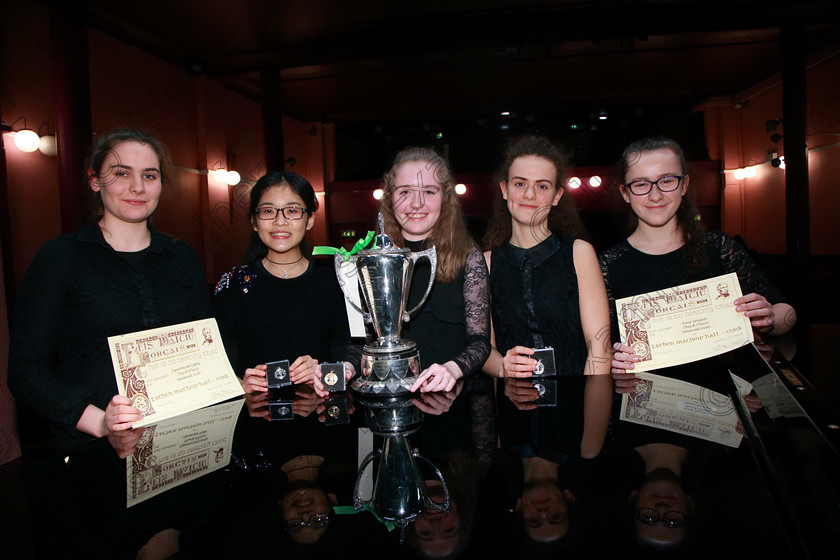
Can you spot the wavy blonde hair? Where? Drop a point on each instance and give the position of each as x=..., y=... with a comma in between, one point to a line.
x=450, y=236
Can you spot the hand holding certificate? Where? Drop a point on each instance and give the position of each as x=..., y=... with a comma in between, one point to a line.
x=172, y=370
x=683, y=324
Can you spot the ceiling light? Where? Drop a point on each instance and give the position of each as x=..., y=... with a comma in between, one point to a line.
x=460, y=188
x=574, y=182
x=595, y=181
x=377, y=194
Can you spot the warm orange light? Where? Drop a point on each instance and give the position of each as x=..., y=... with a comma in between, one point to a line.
x=27, y=140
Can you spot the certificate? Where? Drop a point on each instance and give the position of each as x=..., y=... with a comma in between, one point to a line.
x=776, y=399
x=685, y=408
x=684, y=323
x=173, y=370
x=180, y=449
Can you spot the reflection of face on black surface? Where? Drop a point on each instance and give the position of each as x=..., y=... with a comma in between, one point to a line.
x=305, y=502
x=438, y=532
x=661, y=491
x=545, y=511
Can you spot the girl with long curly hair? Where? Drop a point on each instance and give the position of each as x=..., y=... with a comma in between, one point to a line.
x=547, y=291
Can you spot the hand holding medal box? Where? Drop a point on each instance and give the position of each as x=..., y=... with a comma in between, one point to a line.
x=684, y=323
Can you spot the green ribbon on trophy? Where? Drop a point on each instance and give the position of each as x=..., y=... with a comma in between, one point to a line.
x=344, y=510
x=360, y=244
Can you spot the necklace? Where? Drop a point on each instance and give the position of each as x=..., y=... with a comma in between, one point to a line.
x=285, y=272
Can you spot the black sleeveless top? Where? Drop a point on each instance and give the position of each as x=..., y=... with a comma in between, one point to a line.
x=534, y=294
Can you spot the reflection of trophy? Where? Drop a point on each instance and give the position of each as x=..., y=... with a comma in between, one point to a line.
x=390, y=365
x=399, y=492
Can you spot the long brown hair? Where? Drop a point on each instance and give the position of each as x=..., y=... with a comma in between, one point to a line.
x=450, y=236
x=563, y=217
x=687, y=214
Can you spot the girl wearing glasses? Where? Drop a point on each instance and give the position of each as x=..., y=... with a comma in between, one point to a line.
x=279, y=305
x=668, y=247
x=420, y=208
x=114, y=276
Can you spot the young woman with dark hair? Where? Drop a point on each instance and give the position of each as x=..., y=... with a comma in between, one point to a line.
x=114, y=276
x=668, y=247
x=280, y=305
x=546, y=288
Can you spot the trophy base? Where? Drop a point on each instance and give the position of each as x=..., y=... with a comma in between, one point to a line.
x=387, y=373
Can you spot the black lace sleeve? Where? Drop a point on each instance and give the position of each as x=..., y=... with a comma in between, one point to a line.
x=476, y=314
x=736, y=259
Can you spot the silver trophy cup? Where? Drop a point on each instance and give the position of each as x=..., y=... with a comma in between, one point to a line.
x=390, y=364
x=399, y=492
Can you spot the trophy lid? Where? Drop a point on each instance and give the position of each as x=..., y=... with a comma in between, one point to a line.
x=383, y=244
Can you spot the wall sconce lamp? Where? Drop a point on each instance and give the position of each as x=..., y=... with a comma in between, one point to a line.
x=378, y=193
x=595, y=181
x=47, y=145
x=744, y=173
x=574, y=182
x=27, y=140
x=222, y=175
x=460, y=188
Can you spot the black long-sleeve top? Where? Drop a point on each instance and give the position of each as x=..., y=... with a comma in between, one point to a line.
x=454, y=322
x=263, y=318
x=76, y=293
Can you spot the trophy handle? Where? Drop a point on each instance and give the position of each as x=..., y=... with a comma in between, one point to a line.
x=430, y=254
x=339, y=260
x=429, y=502
x=358, y=503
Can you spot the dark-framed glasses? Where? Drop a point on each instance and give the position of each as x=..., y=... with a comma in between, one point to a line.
x=671, y=519
x=316, y=521
x=289, y=212
x=665, y=184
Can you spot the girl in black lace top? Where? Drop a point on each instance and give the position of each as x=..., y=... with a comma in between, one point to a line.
x=668, y=247
x=420, y=208
x=547, y=290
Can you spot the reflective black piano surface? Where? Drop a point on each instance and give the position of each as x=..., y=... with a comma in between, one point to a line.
x=231, y=482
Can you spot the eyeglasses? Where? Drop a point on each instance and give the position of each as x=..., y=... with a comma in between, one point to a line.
x=315, y=521
x=289, y=212
x=671, y=519
x=664, y=184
